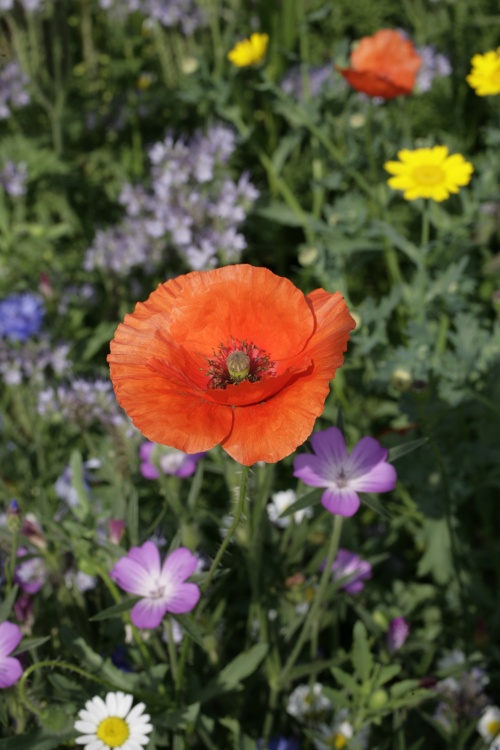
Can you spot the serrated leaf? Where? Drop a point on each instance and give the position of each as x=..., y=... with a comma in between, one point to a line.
x=117, y=609
x=362, y=658
x=304, y=501
x=230, y=677
x=8, y=603
x=405, y=448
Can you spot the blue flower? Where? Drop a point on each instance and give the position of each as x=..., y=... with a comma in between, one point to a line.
x=21, y=316
x=280, y=743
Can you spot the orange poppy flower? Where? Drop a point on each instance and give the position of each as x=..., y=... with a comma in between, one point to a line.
x=236, y=356
x=385, y=64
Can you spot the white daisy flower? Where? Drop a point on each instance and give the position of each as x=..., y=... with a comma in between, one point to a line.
x=112, y=722
x=280, y=501
x=340, y=734
x=307, y=703
x=489, y=727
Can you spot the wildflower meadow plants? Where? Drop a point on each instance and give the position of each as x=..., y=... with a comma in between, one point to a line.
x=249, y=375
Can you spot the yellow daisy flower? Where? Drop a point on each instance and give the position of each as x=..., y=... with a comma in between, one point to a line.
x=428, y=173
x=249, y=51
x=485, y=74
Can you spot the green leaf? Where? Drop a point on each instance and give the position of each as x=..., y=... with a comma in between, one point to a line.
x=195, y=488
x=232, y=674
x=102, y=334
x=39, y=739
x=404, y=448
x=386, y=674
x=241, y=741
x=362, y=658
x=179, y=719
x=28, y=643
x=304, y=501
x=76, y=465
x=191, y=628
x=403, y=687
x=116, y=610
x=437, y=558
x=8, y=603
x=374, y=504
x=346, y=680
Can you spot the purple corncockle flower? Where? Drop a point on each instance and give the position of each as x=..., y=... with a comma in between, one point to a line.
x=162, y=587
x=397, y=634
x=344, y=475
x=169, y=460
x=10, y=668
x=351, y=570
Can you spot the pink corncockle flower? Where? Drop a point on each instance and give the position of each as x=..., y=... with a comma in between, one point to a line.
x=351, y=570
x=162, y=587
x=169, y=460
x=344, y=475
x=397, y=634
x=31, y=574
x=10, y=668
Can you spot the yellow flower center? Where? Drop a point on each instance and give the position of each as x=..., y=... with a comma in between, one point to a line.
x=494, y=728
x=113, y=731
x=337, y=741
x=238, y=365
x=428, y=174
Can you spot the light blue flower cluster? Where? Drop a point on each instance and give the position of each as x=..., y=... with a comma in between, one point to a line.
x=13, y=91
x=192, y=208
x=183, y=13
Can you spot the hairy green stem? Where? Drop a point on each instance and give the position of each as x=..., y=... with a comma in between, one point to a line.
x=231, y=530
x=318, y=599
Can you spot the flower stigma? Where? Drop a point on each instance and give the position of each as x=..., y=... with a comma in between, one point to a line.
x=238, y=361
x=113, y=731
x=238, y=365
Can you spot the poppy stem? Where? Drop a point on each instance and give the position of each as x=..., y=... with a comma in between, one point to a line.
x=318, y=599
x=231, y=530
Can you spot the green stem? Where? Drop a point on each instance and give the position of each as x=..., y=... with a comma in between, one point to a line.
x=57, y=665
x=172, y=654
x=318, y=599
x=231, y=530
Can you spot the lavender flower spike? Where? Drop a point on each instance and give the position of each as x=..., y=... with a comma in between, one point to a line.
x=344, y=475
x=10, y=668
x=162, y=587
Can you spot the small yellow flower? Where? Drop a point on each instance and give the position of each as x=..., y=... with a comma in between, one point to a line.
x=485, y=74
x=249, y=51
x=428, y=173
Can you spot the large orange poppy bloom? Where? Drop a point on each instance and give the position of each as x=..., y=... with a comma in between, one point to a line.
x=236, y=356
x=385, y=64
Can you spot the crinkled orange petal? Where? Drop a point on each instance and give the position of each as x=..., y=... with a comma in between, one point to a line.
x=374, y=84
x=159, y=354
x=245, y=303
x=274, y=429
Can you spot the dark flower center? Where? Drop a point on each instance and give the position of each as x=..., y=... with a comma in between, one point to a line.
x=235, y=362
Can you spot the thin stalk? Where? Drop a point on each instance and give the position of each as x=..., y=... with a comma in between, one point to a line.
x=231, y=530
x=318, y=599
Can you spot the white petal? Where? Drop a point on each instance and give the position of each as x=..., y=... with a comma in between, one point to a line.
x=85, y=727
x=88, y=716
x=98, y=707
x=112, y=703
x=136, y=712
x=124, y=704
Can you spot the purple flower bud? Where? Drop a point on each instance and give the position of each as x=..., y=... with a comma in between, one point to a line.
x=398, y=632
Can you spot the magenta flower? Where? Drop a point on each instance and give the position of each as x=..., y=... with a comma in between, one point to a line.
x=162, y=587
x=10, y=668
x=397, y=634
x=344, y=475
x=351, y=570
x=169, y=460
